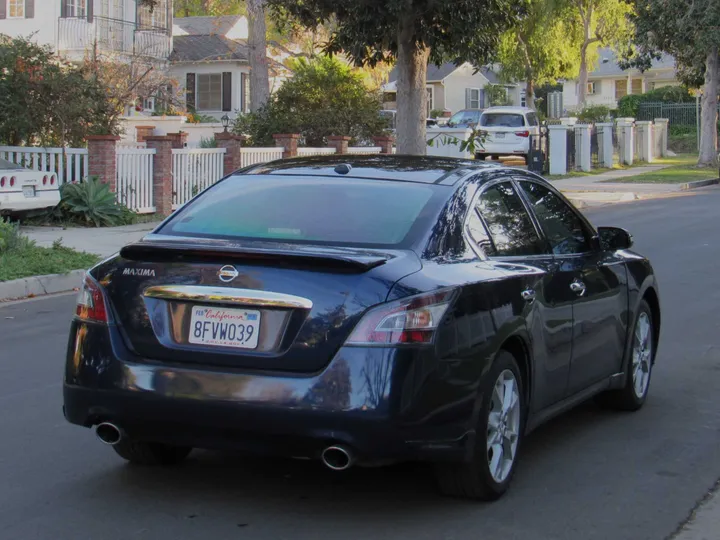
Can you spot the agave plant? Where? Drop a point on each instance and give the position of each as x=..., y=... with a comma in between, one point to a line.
x=90, y=202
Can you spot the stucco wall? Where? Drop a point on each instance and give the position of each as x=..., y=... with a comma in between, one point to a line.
x=457, y=82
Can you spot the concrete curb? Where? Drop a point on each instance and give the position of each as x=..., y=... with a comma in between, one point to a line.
x=40, y=285
x=699, y=183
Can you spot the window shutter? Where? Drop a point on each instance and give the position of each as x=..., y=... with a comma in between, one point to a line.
x=89, y=9
x=29, y=9
x=3, y=7
x=227, y=91
x=481, y=99
x=63, y=9
x=190, y=92
x=467, y=98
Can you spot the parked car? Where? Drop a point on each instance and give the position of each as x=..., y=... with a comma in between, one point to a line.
x=392, y=119
x=22, y=189
x=467, y=118
x=507, y=131
x=363, y=310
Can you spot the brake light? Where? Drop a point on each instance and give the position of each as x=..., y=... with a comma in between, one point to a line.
x=45, y=180
x=2, y=181
x=52, y=179
x=410, y=320
x=12, y=181
x=522, y=133
x=91, y=302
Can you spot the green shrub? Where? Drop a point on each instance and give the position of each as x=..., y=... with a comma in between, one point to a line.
x=208, y=142
x=496, y=95
x=10, y=237
x=90, y=203
x=629, y=106
x=325, y=97
x=594, y=113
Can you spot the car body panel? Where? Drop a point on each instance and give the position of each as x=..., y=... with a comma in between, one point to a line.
x=506, y=140
x=28, y=192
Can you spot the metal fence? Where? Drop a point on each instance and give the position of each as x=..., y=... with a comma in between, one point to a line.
x=572, y=148
x=594, y=147
x=679, y=114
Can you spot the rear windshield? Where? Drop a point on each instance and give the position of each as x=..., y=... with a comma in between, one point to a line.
x=502, y=120
x=314, y=210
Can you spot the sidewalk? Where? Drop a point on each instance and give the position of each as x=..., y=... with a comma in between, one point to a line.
x=103, y=241
x=600, y=182
x=704, y=523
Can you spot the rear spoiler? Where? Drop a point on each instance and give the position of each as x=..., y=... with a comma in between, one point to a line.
x=153, y=251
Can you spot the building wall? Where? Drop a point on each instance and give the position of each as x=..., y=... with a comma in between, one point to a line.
x=457, y=82
x=44, y=24
x=179, y=73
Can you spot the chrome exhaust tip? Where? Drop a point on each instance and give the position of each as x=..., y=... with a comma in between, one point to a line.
x=337, y=458
x=108, y=433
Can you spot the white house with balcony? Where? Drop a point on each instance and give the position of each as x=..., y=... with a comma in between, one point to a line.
x=77, y=28
x=607, y=83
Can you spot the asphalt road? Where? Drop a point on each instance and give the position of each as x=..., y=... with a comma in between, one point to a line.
x=590, y=474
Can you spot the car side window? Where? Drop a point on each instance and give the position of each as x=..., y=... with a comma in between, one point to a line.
x=532, y=119
x=563, y=228
x=511, y=232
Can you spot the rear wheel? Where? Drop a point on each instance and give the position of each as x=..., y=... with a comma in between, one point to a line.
x=150, y=453
x=499, y=433
x=632, y=396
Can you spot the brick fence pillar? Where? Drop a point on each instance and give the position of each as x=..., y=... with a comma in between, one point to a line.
x=143, y=132
x=162, y=173
x=102, y=160
x=385, y=142
x=288, y=141
x=232, y=161
x=340, y=143
x=179, y=139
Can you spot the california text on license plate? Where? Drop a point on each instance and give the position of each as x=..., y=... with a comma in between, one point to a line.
x=224, y=327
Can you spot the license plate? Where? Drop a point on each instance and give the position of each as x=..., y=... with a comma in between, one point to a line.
x=29, y=191
x=223, y=327
x=500, y=135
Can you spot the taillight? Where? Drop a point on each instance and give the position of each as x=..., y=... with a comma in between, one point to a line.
x=45, y=180
x=2, y=181
x=410, y=320
x=52, y=179
x=91, y=302
x=522, y=133
x=12, y=181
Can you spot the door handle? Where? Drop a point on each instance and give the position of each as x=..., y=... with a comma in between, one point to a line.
x=528, y=295
x=578, y=287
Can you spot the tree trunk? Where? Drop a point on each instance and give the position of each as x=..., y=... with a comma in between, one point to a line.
x=708, y=117
x=583, y=79
x=411, y=94
x=530, y=90
x=257, y=43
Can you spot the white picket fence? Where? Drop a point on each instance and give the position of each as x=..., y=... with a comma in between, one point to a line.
x=364, y=150
x=195, y=169
x=310, y=151
x=253, y=155
x=135, y=178
x=69, y=164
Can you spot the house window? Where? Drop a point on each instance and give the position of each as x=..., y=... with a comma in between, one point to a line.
x=430, y=99
x=620, y=88
x=651, y=86
x=474, y=98
x=76, y=8
x=636, y=86
x=591, y=88
x=523, y=98
x=209, y=92
x=16, y=9
x=155, y=19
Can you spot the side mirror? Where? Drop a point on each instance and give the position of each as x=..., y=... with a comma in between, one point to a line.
x=614, y=238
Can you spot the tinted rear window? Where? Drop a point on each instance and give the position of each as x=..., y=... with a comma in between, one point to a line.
x=310, y=210
x=502, y=120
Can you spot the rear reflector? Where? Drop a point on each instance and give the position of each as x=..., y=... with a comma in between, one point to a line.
x=410, y=320
x=91, y=302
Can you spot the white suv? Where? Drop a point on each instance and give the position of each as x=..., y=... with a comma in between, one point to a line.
x=507, y=131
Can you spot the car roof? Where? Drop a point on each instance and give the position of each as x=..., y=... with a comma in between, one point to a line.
x=421, y=169
x=517, y=110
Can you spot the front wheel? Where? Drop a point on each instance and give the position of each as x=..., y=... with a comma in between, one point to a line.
x=633, y=395
x=499, y=433
x=151, y=453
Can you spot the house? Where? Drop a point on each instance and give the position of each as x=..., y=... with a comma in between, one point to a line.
x=75, y=28
x=452, y=88
x=607, y=83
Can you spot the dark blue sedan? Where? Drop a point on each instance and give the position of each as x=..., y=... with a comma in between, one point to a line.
x=359, y=311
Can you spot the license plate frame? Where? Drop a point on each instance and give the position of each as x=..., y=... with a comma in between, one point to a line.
x=214, y=326
x=29, y=192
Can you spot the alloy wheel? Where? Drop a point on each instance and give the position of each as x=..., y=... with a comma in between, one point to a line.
x=503, y=426
x=642, y=355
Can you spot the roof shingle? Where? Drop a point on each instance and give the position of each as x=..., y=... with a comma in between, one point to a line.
x=208, y=49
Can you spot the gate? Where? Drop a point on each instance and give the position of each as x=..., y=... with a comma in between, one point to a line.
x=539, y=151
x=571, y=150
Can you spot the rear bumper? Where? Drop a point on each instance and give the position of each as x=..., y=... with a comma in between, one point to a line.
x=504, y=148
x=372, y=400
x=17, y=202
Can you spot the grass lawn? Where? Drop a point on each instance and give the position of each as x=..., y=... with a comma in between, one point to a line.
x=31, y=260
x=681, y=169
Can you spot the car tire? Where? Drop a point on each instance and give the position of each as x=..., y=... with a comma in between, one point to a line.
x=633, y=395
x=476, y=479
x=151, y=453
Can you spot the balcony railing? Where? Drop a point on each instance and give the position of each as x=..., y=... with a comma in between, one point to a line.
x=113, y=36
